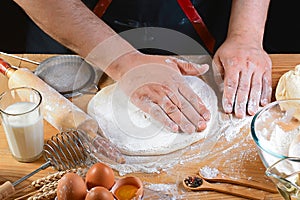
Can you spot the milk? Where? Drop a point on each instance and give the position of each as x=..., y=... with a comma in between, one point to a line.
x=24, y=132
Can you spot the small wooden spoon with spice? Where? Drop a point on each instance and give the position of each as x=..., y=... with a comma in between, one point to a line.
x=196, y=183
x=221, y=178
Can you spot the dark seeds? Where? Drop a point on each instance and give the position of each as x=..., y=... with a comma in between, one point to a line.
x=193, y=181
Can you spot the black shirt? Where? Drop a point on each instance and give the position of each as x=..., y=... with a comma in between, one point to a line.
x=125, y=15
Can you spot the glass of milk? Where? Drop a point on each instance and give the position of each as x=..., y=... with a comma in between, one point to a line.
x=22, y=121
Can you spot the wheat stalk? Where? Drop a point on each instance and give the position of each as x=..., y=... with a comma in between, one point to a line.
x=47, y=186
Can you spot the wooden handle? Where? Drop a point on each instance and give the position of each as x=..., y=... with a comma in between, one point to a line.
x=6, y=190
x=246, y=183
x=240, y=192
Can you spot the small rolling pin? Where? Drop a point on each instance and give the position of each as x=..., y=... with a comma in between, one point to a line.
x=60, y=112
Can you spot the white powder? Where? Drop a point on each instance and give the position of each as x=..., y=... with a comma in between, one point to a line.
x=231, y=126
x=169, y=61
x=161, y=191
x=208, y=172
x=279, y=142
x=226, y=127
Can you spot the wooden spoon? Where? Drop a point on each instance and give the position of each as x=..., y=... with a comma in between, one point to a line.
x=221, y=178
x=203, y=185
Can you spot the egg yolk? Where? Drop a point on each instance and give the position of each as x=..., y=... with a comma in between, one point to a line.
x=126, y=192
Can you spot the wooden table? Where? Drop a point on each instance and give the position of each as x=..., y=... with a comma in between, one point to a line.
x=241, y=162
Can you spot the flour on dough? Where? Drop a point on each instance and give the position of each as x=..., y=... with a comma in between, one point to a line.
x=135, y=132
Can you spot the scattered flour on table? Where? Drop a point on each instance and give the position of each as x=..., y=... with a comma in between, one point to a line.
x=208, y=172
x=227, y=127
x=164, y=191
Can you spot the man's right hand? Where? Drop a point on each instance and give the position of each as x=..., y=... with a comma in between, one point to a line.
x=156, y=85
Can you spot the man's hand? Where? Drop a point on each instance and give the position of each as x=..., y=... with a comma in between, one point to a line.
x=246, y=71
x=156, y=85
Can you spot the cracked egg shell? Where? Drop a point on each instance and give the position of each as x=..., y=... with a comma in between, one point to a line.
x=128, y=188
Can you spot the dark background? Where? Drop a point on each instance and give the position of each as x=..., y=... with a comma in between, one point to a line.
x=282, y=33
x=13, y=27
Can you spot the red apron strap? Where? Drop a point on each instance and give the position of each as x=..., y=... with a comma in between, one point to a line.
x=101, y=7
x=198, y=24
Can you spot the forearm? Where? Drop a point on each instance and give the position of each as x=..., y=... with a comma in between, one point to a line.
x=72, y=24
x=247, y=20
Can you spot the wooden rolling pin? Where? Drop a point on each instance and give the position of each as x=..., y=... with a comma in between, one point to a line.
x=61, y=112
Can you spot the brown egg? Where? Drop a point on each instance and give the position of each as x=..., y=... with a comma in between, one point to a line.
x=71, y=187
x=99, y=193
x=100, y=175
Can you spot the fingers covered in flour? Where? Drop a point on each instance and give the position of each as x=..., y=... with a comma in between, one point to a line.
x=159, y=89
x=194, y=107
x=151, y=99
x=144, y=99
x=172, y=107
x=190, y=68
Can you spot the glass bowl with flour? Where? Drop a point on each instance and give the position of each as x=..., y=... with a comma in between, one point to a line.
x=276, y=131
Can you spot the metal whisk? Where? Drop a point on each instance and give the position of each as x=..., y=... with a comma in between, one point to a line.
x=66, y=150
x=63, y=151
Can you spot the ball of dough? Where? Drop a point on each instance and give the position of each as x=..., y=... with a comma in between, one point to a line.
x=288, y=87
x=135, y=132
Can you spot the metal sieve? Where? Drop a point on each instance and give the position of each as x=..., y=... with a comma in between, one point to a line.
x=70, y=75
